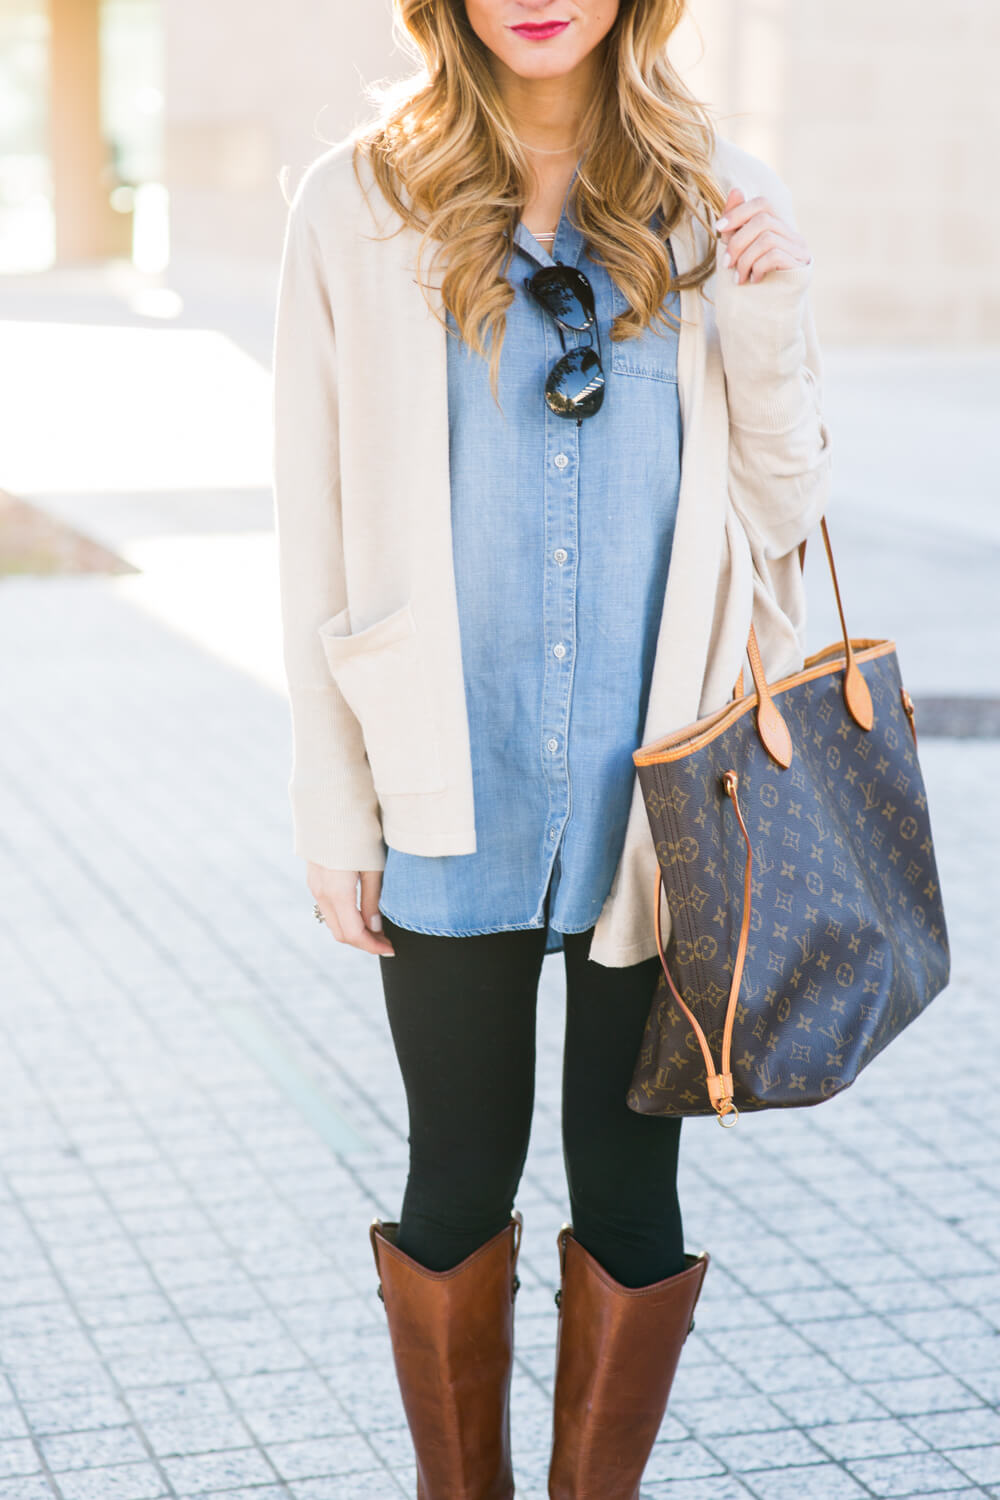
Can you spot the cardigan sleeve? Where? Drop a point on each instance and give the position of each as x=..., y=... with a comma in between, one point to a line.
x=779, y=443
x=335, y=811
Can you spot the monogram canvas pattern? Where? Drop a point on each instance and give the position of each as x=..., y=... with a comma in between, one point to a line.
x=848, y=942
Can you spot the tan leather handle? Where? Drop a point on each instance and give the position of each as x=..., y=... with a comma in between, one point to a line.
x=856, y=695
x=770, y=725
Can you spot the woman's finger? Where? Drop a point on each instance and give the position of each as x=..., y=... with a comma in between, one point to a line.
x=769, y=242
x=329, y=910
x=371, y=890
x=736, y=214
x=355, y=932
x=773, y=260
x=736, y=242
x=750, y=229
x=761, y=223
x=336, y=894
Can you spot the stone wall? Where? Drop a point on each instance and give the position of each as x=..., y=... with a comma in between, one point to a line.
x=884, y=119
x=252, y=89
x=879, y=116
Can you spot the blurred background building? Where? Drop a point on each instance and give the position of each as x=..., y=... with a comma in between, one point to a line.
x=156, y=129
x=81, y=132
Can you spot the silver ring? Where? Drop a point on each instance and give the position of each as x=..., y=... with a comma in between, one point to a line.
x=317, y=913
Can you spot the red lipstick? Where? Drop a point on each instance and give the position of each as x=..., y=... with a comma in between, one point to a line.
x=540, y=31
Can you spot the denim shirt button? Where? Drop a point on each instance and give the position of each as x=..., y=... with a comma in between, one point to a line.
x=560, y=460
x=552, y=746
x=559, y=650
x=560, y=555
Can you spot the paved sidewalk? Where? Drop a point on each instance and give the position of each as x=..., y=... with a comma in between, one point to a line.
x=200, y=1113
x=199, y=1105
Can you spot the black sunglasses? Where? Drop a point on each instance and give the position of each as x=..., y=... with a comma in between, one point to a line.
x=575, y=384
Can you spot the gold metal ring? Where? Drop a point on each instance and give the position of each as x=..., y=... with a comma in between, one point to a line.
x=727, y=1119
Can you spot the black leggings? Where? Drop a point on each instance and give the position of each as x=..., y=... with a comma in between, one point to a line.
x=462, y=1015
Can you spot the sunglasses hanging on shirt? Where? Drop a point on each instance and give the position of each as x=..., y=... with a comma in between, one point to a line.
x=574, y=386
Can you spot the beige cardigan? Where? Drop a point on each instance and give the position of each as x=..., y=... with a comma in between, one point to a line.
x=362, y=501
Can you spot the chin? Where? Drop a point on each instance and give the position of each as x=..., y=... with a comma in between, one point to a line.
x=541, y=71
x=540, y=63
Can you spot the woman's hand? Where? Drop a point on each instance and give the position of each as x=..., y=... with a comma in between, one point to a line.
x=756, y=240
x=336, y=895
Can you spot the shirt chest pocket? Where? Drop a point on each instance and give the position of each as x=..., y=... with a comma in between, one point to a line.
x=383, y=675
x=652, y=355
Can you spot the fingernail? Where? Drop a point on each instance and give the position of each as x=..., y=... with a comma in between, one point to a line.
x=725, y=261
x=722, y=224
x=376, y=923
x=736, y=277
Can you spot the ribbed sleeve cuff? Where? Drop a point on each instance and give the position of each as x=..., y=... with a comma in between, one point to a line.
x=340, y=849
x=336, y=822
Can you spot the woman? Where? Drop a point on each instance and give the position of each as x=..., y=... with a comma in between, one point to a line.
x=547, y=435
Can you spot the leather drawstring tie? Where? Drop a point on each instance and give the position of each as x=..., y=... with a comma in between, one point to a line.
x=720, y=1082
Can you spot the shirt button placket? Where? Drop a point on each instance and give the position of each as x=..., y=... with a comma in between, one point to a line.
x=561, y=481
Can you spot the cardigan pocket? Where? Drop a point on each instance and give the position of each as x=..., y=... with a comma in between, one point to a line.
x=383, y=676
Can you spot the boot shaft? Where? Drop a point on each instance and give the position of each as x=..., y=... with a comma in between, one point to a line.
x=616, y=1356
x=452, y=1342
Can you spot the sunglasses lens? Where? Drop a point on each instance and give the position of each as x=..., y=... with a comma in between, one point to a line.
x=565, y=294
x=575, y=387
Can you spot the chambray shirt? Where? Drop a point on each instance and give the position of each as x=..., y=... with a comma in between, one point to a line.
x=561, y=539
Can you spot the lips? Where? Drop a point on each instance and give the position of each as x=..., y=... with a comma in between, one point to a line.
x=540, y=31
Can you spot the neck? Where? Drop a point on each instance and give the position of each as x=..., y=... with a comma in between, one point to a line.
x=548, y=112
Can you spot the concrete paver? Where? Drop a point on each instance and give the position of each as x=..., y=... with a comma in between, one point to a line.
x=186, y=1294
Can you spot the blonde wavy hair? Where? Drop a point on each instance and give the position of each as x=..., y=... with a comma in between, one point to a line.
x=445, y=156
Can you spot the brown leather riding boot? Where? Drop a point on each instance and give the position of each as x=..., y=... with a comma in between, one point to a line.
x=617, y=1351
x=452, y=1338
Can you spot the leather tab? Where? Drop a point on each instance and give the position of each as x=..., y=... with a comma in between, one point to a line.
x=561, y=1241
x=774, y=733
x=379, y=1231
x=720, y=1088
x=857, y=697
x=771, y=727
